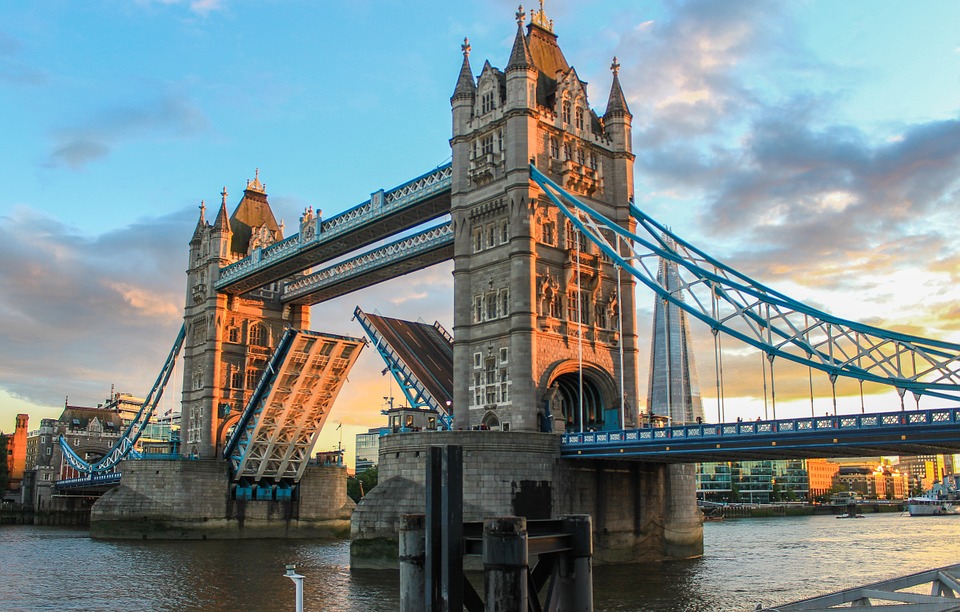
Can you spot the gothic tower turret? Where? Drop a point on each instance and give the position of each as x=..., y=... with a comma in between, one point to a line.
x=229, y=339
x=538, y=344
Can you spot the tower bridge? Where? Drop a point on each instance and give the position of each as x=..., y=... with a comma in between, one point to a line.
x=536, y=211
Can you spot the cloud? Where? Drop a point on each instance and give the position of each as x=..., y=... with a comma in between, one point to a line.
x=169, y=116
x=83, y=312
x=14, y=71
x=200, y=7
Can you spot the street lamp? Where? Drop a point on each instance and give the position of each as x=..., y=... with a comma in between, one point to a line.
x=297, y=580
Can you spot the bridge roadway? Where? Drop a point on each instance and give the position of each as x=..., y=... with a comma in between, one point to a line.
x=917, y=432
x=385, y=214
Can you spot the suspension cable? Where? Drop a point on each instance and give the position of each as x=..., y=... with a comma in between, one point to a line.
x=579, y=327
x=763, y=370
x=723, y=401
x=623, y=391
x=806, y=329
x=773, y=388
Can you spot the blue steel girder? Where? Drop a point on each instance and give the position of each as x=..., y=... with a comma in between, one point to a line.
x=738, y=306
x=280, y=425
x=421, y=250
x=386, y=213
x=124, y=445
x=413, y=389
x=920, y=432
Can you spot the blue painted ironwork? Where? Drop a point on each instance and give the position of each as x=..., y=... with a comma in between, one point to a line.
x=124, y=446
x=381, y=204
x=416, y=393
x=811, y=436
x=732, y=303
x=280, y=425
x=94, y=479
x=438, y=237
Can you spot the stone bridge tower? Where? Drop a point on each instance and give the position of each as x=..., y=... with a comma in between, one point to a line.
x=229, y=338
x=536, y=305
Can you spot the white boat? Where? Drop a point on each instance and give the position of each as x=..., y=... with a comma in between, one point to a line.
x=929, y=504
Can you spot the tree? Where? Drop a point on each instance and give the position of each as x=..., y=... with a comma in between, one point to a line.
x=361, y=484
x=4, y=473
x=734, y=493
x=775, y=492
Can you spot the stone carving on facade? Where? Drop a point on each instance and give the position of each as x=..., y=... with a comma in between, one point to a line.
x=309, y=222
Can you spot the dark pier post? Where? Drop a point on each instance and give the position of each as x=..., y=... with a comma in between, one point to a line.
x=444, y=529
x=412, y=557
x=576, y=568
x=505, y=564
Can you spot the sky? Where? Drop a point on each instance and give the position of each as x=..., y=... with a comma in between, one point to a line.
x=813, y=145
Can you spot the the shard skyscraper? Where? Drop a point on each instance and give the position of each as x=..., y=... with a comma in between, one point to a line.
x=674, y=386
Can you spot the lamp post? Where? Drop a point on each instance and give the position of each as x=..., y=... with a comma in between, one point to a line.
x=298, y=581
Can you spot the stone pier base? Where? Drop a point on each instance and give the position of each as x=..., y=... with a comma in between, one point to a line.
x=191, y=500
x=640, y=511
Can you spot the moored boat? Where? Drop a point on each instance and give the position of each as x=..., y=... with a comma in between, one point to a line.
x=932, y=504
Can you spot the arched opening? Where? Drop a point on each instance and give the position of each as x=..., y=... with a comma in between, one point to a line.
x=601, y=408
x=490, y=421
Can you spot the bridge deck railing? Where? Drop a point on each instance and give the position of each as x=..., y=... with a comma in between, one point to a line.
x=379, y=205
x=861, y=422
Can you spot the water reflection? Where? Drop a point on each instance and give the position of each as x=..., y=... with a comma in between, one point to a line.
x=747, y=561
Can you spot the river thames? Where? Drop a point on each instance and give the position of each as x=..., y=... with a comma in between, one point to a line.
x=745, y=562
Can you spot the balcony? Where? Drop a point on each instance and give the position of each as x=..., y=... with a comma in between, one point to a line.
x=482, y=168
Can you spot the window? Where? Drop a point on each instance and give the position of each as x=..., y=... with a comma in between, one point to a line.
x=593, y=161
x=580, y=159
x=583, y=315
x=579, y=118
x=253, y=377
x=554, y=148
x=486, y=102
x=477, y=357
x=491, y=306
x=505, y=426
x=491, y=236
x=478, y=241
x=486, y=144
x=236, y=378
x=567, y=151
x=504, y=232
x=257, y=335
x=549, y=233
x=565, y=111
x=503, y=354
x=500, y=141
x=233, y=334
x=477, y=314
x=504, y=302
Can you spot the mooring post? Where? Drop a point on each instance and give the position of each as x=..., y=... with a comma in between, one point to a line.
x=505, y=564
x=576, y=574
x=443, y=575
x=412, y=557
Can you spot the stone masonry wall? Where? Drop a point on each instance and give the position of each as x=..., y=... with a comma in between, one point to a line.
x=191, y=500
x=640, y=511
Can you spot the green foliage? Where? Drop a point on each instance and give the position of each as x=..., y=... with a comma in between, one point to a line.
x=734, y=493
x=4, y=473
x=361, y=484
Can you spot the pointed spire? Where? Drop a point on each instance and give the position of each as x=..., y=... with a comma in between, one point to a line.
x=466, y=85
x=617, y=102
x=520, y=56
x=201, y=223
x=222, y=224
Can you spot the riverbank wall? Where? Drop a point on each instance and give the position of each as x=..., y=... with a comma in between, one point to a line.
x=183, y=500
x=640, y=511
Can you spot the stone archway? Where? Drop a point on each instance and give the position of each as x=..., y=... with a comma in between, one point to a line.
x=562, y=394
x=226, y=428
x=491, y=420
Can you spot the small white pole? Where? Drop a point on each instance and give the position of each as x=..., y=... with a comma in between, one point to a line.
x=297, y=580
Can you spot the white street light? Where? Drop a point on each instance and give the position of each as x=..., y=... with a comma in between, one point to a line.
x=297, y=580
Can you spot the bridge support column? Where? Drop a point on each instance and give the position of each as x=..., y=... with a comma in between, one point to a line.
x=505, y=563
x=412, y=558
